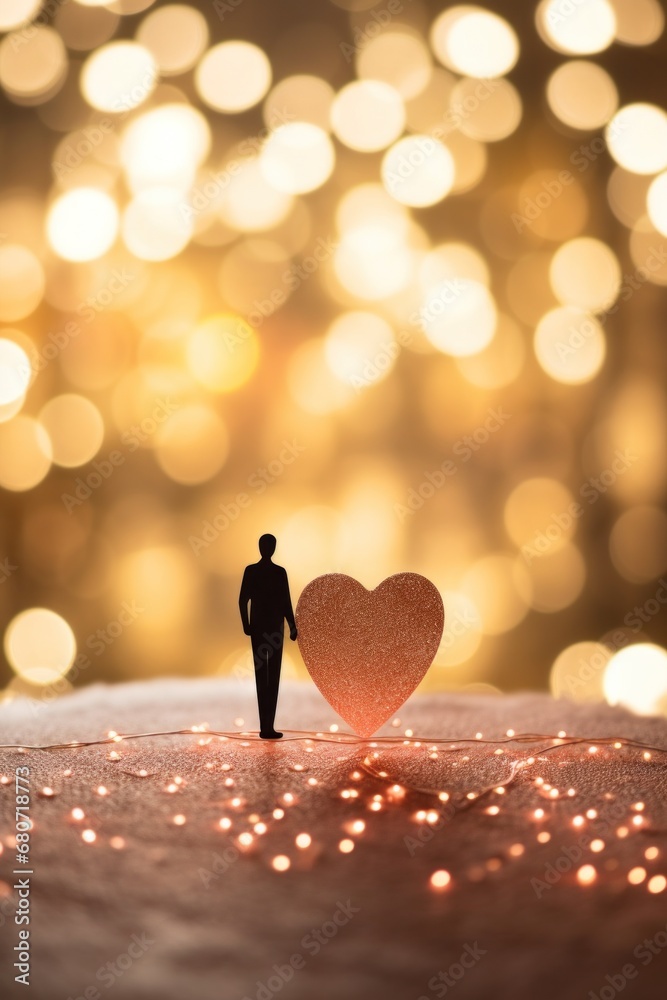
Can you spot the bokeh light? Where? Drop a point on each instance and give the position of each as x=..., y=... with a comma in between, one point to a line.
x=223, y=352
x=82, y=224
x=21, y=282
x=360, y=349
x=25, y=453
x=474, y=42
x=297, y=158
x=586, y=273
x=398, y=58
x=637, y=138
x=316, y=265
x=233, y=76
x=15, y=372
x=570, y=345
x=40, y=645
x=636, y=678
x=119, y=76
x=32, y=65
x=418, y=171
x=578, y=672
x=368, y=115
x=176, y=35
x=75, y=428
x=17, y=13
x=580, y=28
x=582, y=94
x=193, y=444
x=459, y=316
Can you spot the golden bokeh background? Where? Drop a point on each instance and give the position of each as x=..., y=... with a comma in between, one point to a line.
x=385, y=279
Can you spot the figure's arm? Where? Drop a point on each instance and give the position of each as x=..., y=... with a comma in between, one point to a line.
x=244, y=598
x=289, y=613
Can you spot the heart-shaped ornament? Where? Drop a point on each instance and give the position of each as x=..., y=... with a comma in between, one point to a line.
x=367, y=650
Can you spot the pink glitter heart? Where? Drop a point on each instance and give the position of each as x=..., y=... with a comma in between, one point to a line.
x=367, y=650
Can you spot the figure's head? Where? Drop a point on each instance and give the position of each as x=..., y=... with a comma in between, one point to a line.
x=267, y=545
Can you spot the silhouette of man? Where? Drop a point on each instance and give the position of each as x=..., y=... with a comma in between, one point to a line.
x=266, y=589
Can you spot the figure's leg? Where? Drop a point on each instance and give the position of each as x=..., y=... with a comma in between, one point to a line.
x=275, y=661
x=260, y=652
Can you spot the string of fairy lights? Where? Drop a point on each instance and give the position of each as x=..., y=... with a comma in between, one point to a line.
x=259, y=830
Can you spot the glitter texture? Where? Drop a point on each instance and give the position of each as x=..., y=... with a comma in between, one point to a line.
x=367, y=650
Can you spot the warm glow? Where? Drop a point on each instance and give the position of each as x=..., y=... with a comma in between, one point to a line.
x=368, y=115
x=638, y=544
x=498, y=586
x=360, y=349
x=40, y=645
x=82, y=224
x=32, y=65
x=119, y=76
x=15, y=372
x=164, y=146
x=223, y=352
x=25, y=453
x=192, y=445
x=580, y=28
x=297, y=158
x=397, y=58
x=578, y=671
x=474, y=42
x=418, y=171
x=570, y=345
x=155, y=225
x=21, y=282
x=75, y=428
x=582, y=94
x=586, y=273
x=637, y=138
x=636, y=678
x=459, y=317
x=657, y=203
x=176, y=35
x=18, y=12
x=233, y=76
x=488, y=111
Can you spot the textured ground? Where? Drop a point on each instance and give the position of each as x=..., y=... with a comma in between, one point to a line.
x=212, y=919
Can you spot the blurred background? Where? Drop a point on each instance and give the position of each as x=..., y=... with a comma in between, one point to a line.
x=384, y=279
